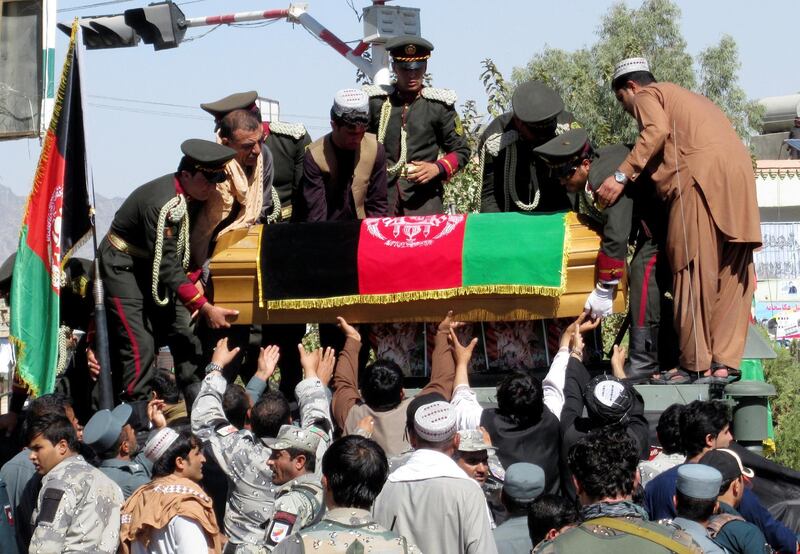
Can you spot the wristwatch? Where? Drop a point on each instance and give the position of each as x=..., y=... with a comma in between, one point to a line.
x=213, y=367
x=620, y=178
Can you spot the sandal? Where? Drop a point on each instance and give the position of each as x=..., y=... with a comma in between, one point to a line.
x=719, y=375
x=674, y=376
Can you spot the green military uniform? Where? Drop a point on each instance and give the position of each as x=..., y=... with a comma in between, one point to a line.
x=641, y=536
x=346, y=530
x=416, y=127
x=513, y=178
x=634, y=219
x=287, y=142
x=78, y=510
x=144, y=263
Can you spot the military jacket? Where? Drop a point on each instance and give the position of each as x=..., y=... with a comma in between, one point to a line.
x=127, y=474
x=8, y=538
x=78, y=510
x=298, y=504
x=510, y=168
x=128, y=272
x=598, y=539
x=287, y=143
x=344, y=530
x=428, y=125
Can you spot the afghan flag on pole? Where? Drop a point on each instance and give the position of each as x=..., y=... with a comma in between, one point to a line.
x=398, y=259
x=56, y=222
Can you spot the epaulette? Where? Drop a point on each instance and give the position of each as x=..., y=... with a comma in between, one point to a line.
x=375, y=91
x=498, y=141
x=443, y=95
x=294, y=130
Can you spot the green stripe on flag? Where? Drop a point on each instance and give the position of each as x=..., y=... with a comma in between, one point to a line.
x=34, y=319
x=515, y=249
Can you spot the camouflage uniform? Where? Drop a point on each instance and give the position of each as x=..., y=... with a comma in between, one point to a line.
x=298, y=504
x=243, y=456
x=344, y=530
x=78, y=510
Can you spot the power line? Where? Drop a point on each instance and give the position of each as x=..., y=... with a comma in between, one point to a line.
x=95, y=5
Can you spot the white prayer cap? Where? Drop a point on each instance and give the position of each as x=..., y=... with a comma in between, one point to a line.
x=435, y=422
x=629, y=65
x=159, y=444
x=352, y=105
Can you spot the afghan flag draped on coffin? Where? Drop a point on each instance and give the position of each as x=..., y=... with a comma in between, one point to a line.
x=386, y=260
x=56, y=222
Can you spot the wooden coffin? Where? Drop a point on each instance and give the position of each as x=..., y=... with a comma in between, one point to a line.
x=234, y=277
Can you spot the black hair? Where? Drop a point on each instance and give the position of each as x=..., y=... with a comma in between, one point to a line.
x=269, y=413
x=187, y=164
x=190, y=393
x=184, y=444
x=694, y=509
x=519, y=397
x=235, y=403
x=56, y=403
x=642, y=78
x=604, y=462
x=310, y=464
x=356, y=469
x=699, y=419
x=165, y=386
x=54, y=427
x=515, y=507
x=382, y=385
x=550, y=511
x=238, y=120
x=669, y=429
x=349, y=119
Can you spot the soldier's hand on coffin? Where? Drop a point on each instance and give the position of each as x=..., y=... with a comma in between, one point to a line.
x=216, y=317
x=309, y=361
x=422, y=172
x=609, y=191
x=600, y=301
x=348, y=330
x=461, y=354
x=326, y=364
x=268, y=361
x=222, y=355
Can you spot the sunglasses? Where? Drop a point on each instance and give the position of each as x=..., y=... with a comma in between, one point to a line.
x=565, y=171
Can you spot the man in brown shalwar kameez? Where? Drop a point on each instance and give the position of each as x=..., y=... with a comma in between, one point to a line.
x=703, y=171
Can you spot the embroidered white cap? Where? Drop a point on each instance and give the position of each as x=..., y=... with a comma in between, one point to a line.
x=159, y=443
x=351, y=103
x=629, y=65
x=435, y=422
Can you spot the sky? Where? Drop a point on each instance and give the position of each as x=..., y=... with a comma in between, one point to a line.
x=141, y=104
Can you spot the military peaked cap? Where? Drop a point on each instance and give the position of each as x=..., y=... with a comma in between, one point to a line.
x=409, y=51
x=534, y=102
x=207, y=155
x=565, y=148
x=238, y=101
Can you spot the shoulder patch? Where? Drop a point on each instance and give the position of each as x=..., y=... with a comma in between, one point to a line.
x=51, y=498
x=498, y=141
x=226, y=430
x=294, y=130
x=374, y=91
x=443, y=95
x=280, y=527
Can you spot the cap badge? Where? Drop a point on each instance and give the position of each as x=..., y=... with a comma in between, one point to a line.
x=410, y=49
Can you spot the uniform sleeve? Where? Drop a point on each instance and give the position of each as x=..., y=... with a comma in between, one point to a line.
x=452, y=141
x=314, y=206
x=299, y=165
x=617, y=220
x=171, y=273
x=654, y=130
x=209, y=422
x=315, y=408
x=255, y=388
x=376, y=204
x=267, y=177
x=488, y=197
x=345, y=382
x=52, y=518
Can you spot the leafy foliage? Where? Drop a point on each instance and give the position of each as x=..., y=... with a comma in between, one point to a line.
x=784, y=374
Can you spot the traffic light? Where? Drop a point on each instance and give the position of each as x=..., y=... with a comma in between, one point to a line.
x=161, y=24
x=106, y=31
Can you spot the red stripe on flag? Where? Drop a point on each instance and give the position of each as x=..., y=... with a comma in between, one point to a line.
x=414, y=253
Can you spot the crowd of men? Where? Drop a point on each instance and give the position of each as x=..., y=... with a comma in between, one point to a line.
x=356, y=465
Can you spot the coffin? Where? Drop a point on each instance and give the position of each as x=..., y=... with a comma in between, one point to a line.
x=235, y=278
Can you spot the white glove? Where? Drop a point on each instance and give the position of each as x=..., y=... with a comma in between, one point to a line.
x=600, y=302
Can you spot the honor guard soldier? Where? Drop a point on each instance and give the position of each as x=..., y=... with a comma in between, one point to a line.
x=144, y=263
x=415, y=123
x=285, y=142
x=635, y=219
x=513, y=179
